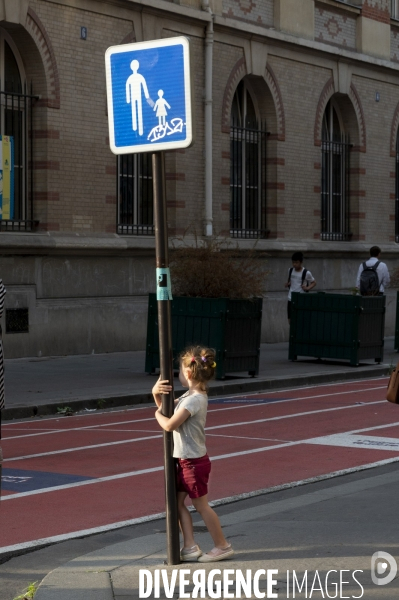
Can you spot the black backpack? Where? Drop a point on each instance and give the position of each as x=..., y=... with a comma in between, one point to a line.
x=303, y=276
x=369, y=282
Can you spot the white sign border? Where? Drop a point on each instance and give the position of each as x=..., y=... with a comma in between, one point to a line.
x=149, y=147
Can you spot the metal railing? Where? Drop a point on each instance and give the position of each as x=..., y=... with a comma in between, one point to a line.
x=248, y=181
x=17, y=121
x=335, y=219
x=135, y=214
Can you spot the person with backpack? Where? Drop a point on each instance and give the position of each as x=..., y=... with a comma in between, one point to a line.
x=373, y=275
x=299, y=279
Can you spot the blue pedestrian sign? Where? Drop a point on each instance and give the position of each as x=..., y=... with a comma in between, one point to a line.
x=149, y=96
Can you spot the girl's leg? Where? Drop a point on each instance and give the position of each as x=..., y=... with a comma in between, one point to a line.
x=186, y=522
x=211, y=521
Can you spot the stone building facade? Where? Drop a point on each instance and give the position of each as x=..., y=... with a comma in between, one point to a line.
x=304, y=156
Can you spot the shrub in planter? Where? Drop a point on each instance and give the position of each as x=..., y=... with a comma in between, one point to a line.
x=217, y=302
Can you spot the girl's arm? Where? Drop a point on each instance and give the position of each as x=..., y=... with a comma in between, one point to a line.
x=160, y=388
x=175, y=421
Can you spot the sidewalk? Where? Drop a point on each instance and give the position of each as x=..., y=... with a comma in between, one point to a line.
x=40, y=385
x=331, y=525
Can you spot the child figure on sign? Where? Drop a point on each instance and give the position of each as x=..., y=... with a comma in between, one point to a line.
x=160, y=106
x=197, y=367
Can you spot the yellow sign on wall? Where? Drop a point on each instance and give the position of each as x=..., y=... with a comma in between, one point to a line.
x=6, y=177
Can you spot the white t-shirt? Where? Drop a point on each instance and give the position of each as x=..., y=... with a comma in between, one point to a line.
x=189, y=437
x=296, y=281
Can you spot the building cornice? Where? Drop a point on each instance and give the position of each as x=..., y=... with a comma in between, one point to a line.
x=262, y=34
x=239, y=29
x=113, y=244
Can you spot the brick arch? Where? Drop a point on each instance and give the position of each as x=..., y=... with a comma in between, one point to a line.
x=129, y=38
x=394, y=130
x=275, y=91
x=37, y=31
x=327, y=92
x=238, y=72
x=361, y=121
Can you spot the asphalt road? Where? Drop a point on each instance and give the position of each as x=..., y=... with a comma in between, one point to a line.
x=258, y=443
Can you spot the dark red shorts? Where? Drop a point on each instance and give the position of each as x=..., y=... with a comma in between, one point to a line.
x=193, y=476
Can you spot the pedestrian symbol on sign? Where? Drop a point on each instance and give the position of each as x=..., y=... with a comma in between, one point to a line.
x=133, y=96
x=149, y=96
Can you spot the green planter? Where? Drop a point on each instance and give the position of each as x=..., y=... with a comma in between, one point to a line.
x=337, y=326
x=231, y=327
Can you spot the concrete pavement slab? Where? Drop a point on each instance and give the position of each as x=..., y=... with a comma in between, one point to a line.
x=88, y=586
x=115, y=555
x=336, y=528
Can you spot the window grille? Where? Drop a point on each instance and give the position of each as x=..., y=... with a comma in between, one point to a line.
x=16, y=104
x=135, y=195
x=17, y=320
x=335, y=153
x=16, y=120
x=248, y=182
x=335, y=190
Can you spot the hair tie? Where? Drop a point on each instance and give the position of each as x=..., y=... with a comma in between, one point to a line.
x=203, y=358
x=193, y=359
x=213, y=365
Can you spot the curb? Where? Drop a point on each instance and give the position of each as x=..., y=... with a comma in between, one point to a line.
x=218, y=388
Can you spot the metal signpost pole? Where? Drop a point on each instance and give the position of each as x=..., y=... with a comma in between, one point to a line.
x=165, y=351
x=150, y=110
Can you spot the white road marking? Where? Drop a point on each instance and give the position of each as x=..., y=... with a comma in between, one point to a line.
x=154, y=469
x=357, y=441
x=225, y=425
x=79, y=414
x=95, y=427
x=112, y=526
x=79, y=448
x=86, y=428
x=242, y=437
x=294, y=415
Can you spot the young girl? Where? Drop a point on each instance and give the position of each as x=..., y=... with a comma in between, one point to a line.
x=197, y=367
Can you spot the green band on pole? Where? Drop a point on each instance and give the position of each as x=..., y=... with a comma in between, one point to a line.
x=164, y=288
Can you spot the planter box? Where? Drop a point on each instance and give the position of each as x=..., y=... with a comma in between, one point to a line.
x=231, y=327
x=337, y=326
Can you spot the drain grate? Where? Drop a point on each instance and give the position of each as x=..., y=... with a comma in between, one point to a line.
x=17, y=320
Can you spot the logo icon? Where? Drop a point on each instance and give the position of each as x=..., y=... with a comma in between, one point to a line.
x=380, y=562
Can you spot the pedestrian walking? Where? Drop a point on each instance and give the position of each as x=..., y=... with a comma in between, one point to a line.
x=373, y=275
x=2, y=295
x=197, y=367
x=299, y=279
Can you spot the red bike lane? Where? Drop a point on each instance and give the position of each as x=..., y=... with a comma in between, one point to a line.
x=67, y=477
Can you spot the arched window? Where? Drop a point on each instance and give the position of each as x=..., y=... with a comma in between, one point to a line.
x=134, y=201
x=16, y=198
x=247, y=167
x=334, y=177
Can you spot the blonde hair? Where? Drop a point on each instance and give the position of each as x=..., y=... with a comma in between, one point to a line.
x=201, y=362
